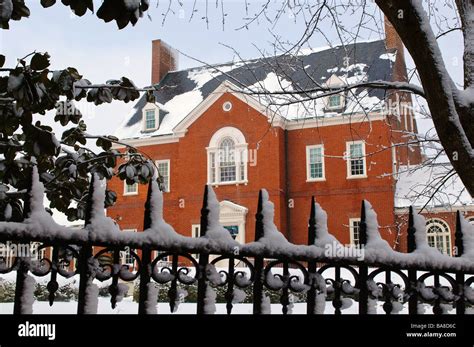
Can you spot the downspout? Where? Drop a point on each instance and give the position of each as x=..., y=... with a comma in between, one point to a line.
x=287, y=189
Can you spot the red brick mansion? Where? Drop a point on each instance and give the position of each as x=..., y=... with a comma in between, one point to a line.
x=208, y=126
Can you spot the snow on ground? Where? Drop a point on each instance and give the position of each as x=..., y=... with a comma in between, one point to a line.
x=128, y=306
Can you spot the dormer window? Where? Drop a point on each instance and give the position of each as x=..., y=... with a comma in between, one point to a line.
x=150, y=122
x=150, y=117
x=334, y=102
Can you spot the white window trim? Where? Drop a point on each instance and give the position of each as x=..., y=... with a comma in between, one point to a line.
x=348, y=159
x=351, y=229
x=445, y=234
x=168, y=173
x=195, y=233
x=308, y=168
x=124, y=256
x=126, y=193
x=196, y=230
x=150, y=107
x=241, y=146
x=394, y=161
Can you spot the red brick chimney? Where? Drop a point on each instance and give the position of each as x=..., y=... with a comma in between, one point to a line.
x=392, y=40
x=406, y=155
x=164, y=58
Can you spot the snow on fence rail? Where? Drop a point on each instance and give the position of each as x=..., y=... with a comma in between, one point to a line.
x=423, y=275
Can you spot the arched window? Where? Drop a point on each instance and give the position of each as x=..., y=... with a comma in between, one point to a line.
x=227, y=157
x=439, y=235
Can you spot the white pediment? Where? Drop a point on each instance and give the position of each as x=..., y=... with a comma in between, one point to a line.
x=230, y=209
x=334, y=81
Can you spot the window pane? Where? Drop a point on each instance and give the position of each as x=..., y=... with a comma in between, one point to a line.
x=315, y=163
x=131, y=188
x=356, y=150
x=334, y=101
x=357, y=159
x=316, y=170
x=356, y=232
x=163, y=169
x=315, y=155
x=431, y=240
x=227, y=174
x=150, y=120
x=212, y=173
x=233, y=230
x=128, y=257
x=227, y=164
x=438, y=236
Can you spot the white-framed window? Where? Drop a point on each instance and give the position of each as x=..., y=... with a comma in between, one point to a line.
x=150, y=117
x=164, y=261
x=39, y=254
x=128, y=258
x=130, y=189
x=126, y=255
x=227, y=162
x=394, y=160
x=164, y=170
x=356, y=161
x=7, y=257
x=227, y=157
x=315, y=163
x=335, y=102
x=196, y=232
x=354, y=231
x=438, y=235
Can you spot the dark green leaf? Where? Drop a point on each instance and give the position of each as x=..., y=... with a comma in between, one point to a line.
x=40, y=61
x=79, y=7
x=47, y=3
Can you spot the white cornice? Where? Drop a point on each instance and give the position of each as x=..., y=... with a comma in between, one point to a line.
x=147, y=141
x=181, y=128
x=336, y=120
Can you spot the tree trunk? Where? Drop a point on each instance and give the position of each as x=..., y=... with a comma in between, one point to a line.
x=451, y=109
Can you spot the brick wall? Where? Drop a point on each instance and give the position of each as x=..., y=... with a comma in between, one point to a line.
x=340, y=196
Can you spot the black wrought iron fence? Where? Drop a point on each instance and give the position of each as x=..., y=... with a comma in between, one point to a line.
x=303, y=271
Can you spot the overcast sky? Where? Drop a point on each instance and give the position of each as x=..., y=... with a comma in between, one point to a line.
x=100, y=51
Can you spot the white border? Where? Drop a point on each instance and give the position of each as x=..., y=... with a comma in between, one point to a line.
x=125, y=193
x=351, y=230
x=169, y=171
x=308, y=170
x=348, y=159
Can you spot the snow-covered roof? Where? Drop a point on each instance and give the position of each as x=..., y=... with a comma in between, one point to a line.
x=416, y=185
x=181, y=91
